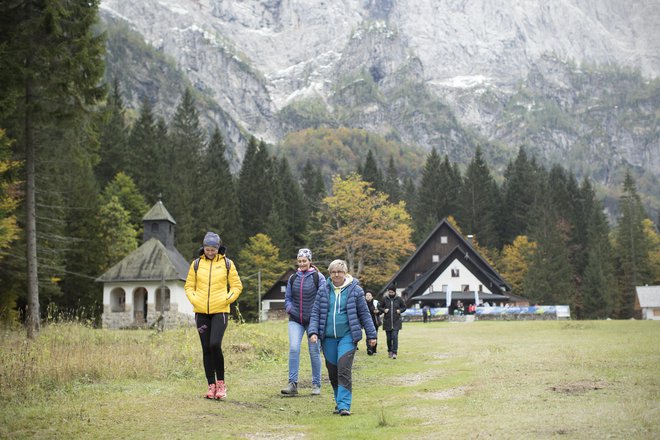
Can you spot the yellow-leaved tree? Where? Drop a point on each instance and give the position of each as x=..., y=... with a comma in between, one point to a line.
x=515, y=262
x=259, y=258
x=361, y=226
x=9, y=229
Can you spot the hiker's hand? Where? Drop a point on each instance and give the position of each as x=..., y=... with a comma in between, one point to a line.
x=313, y=339
x=386, y=311
x=372, y=342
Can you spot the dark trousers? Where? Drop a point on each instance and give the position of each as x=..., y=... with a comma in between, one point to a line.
x=392, y=340
x=211, y=330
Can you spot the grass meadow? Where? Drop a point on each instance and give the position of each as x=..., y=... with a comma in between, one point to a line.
x=495, y=380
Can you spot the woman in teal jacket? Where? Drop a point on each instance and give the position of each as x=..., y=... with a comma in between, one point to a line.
x=339, y=314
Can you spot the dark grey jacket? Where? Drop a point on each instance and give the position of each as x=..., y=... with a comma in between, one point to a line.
x=391, y=319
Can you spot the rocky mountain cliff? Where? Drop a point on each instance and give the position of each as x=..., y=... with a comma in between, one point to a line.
x=573, y=80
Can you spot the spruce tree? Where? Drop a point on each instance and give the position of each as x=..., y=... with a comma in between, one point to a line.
x=391, y=185
x=113, y=137
x=287, y=223
x=255, y=188
x=221, y=201
x=631, y=249
x=480, y=203
x=371, y=173
x=428, y=200
x=52, y=63
x=183, y=199
x=598, y=287
x=520, y=191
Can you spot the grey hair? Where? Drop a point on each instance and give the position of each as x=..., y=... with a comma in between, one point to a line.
x=338, y=265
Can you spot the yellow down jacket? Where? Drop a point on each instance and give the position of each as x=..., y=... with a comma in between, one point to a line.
x=207, y=289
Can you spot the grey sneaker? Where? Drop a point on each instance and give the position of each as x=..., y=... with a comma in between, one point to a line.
x=316, y=390
x=291, y=390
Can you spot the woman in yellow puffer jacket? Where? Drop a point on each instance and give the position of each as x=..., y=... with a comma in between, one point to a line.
x=207, y=290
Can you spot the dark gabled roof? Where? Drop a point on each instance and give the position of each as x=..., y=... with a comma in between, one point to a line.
x=158, y=212
x=476, y=267
x=483, y=265
x=150, y=262
x=275, y=291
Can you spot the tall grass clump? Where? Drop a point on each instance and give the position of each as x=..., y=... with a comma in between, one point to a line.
x=71, y=353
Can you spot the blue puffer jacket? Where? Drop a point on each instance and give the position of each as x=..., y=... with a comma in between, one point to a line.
x=356, y=308
x=300, y=295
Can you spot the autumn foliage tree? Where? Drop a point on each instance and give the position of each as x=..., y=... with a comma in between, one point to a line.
x=258, y=258
x=362, y=227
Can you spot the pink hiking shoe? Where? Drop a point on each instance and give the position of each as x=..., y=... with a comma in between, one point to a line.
x=210, y=394
x=220, y=390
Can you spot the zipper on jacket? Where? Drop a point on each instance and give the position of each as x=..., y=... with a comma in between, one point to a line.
x=208, y=294
x=302, y=282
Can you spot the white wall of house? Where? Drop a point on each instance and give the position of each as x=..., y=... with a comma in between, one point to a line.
x=457, y=283
x=651, y=313
x=123, y=302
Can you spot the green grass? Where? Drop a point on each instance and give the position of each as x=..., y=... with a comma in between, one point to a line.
x=509, y=380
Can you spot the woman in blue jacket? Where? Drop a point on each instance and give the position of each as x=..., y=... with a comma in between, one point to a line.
x=301, y=291
x=339, y=314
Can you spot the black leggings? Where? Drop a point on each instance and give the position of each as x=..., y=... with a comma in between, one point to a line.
x=211, y=329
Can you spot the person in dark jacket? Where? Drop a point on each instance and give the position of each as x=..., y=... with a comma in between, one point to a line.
x=301, y=291
x=339, y=314
x=375, y=317
x=392, y=306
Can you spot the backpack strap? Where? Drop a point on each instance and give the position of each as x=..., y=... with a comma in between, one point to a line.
x=315, y=275
x=227, y=265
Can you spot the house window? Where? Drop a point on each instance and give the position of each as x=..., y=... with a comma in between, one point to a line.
x=154, y=227
x=443, y=239
x=465, y=287
x=435, y=258
x=454, y=273
x=481, y=287
x=162, y=299
x=283, y=288
x=118, y=300
x=444, y=287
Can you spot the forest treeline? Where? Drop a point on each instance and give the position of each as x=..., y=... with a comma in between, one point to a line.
x=78, y=174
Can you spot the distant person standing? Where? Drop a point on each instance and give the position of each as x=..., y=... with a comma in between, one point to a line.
x=301, y=291
x=375, y=317
x=392, y=306
x=426, y=313
x=211, y=286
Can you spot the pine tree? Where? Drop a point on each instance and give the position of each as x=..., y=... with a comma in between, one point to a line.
x=187, y=142
x=255, y=186
x=392, y=186
x=631, y=249
x=113, y=137
x=437, y=196
x=313, y=193
x=480, y=203
x=371, y=173
x=598, y=287
x=220, y=197
x=520, y=191
x=52, y=64
x=287, y=224
x=549, y=278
